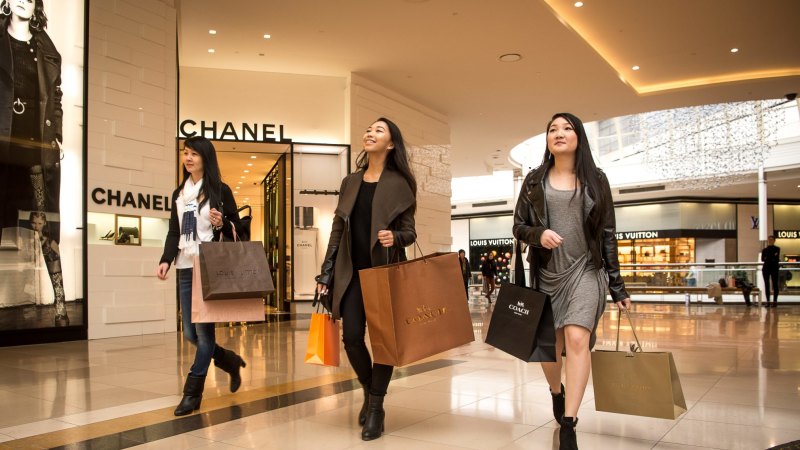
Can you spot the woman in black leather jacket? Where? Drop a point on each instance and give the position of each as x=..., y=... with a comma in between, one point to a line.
x=565, y=213
x=374, y=218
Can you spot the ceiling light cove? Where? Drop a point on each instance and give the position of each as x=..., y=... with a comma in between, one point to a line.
x=509, y=57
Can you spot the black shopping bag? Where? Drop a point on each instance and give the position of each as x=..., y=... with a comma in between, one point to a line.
x=522, y=321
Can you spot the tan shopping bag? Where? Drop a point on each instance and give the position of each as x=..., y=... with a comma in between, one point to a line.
x=416, y=308
x=637, y=383
x=239, y=310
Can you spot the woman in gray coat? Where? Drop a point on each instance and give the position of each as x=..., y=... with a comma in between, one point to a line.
x=373, y=224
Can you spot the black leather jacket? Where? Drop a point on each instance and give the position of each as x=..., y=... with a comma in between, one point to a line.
x=530, y=221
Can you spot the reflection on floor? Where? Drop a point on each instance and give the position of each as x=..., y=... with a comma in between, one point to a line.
x=739, y=368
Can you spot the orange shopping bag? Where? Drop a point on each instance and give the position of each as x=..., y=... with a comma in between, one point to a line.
x=323, y=341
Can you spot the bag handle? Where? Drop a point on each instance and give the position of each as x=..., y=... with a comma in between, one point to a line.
x=317, y=303
x=628, y=315
x=519, y=266
x=390, y=259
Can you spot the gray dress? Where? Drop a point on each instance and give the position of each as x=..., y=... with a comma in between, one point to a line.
x=577, y=289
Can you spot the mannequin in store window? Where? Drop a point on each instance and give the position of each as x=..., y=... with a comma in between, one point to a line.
x=30, y=116
x=197, y=217
x=373, y=224
x=565, y=213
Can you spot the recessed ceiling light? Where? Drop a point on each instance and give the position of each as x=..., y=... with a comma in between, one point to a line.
x=211, y=50
x=798, y=185
x=242, y=177
x=253, y=157
x=249, y=164
x=635, y=68
x=266, y=36
x=237, y=187
x=212, y=32
x=734, y=50
x=246, y=171
x=510, y=57
x=578, y=4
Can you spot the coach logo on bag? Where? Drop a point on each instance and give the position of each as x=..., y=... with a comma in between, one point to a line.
x=426, y=315
x=519, y=309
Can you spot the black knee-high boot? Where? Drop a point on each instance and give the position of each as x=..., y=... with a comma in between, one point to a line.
x=373, y=427
x=231, y=363
x=192, y=395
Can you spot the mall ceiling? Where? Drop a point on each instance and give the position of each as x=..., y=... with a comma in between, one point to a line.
x=445, y=54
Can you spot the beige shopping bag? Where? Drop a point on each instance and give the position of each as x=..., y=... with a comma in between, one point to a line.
x=637, y=383
x=239, y=310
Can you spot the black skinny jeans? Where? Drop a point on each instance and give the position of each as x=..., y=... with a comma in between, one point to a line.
x=354, y=326
x=774, y=276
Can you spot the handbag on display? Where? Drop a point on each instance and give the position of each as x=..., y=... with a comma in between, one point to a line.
x=635, y=382
x=323, y=340
x=239, y=310
x=415, y=308
x=522, y=322
x=234, y=269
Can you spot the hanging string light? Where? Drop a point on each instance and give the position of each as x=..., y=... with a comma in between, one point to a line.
x=703, y=147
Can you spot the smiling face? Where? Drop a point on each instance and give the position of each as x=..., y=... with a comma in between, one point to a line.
x=193, y=162
x=378, y=139
x=561, y=137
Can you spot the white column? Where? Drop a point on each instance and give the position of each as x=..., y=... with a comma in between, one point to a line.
x=762, y=204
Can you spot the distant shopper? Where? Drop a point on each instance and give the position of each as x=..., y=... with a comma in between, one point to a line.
x=771, y=257
x=566, y=214
x=203, y=208
x=466, y=273
x=489, y=272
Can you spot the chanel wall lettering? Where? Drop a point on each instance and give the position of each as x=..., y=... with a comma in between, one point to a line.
x=122, y=199
x=265, y=132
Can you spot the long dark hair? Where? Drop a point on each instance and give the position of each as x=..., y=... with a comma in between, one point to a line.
x=397, y=159
x=211, y=190
x=38, y=20
x=585, y=168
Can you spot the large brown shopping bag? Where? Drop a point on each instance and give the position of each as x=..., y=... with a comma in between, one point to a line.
x=234, y=270
x=238, y=310
x=415, y=308
x=637, y=383
x=323, y=340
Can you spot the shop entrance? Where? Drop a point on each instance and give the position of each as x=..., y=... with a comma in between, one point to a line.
x=290, y=190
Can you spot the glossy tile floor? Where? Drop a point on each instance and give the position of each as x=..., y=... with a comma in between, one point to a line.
x=739, y=368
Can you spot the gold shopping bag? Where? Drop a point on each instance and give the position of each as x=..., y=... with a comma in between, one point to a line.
x=637, y=383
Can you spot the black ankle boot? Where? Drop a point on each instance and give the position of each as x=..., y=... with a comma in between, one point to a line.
x=558, y=403
x=362, y=415
x=373, y=427
x=230, y=362
x=567, y=440
x=192, y=395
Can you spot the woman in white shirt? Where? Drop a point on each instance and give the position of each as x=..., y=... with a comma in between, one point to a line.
x=203, y=208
